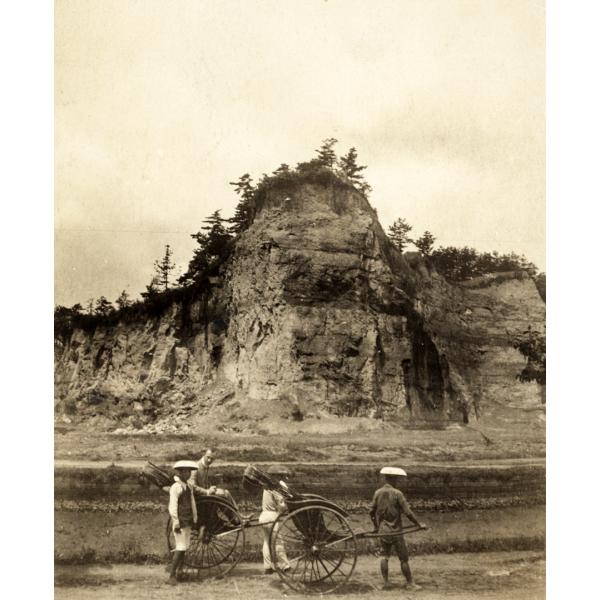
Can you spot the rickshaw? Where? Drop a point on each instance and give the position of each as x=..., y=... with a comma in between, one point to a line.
x=218, y=538
x=320, y=545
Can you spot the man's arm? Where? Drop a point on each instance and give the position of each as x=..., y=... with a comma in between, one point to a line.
x=280, y=502
x=407, y=510
x=373, y=511
x=193, y=478
x=203, y=491
x=174, y=494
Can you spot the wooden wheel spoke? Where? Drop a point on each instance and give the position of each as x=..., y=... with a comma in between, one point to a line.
x=312, y=574
x=319, y=577
x=304, y=571
x=224, y=543
x=336, y=565
x=216, y=550
x=291, y=533
x=212, y=558
x=338, y=556
x=329, y=573
x=320, y=546
x=297, y=560
x=294, y=542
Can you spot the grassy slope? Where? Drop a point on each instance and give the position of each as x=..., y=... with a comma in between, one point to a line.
x=521, y=441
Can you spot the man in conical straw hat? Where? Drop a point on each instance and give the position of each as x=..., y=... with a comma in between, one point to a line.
x=389, y=504
x=182, y=508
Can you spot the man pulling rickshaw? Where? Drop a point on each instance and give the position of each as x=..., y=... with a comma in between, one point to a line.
x=387, y=508
x=311, y=544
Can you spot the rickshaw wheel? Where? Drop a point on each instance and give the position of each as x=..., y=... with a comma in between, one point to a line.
x=319, y=546
x=217, y=544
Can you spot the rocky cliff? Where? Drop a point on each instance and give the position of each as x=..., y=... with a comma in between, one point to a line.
x=315, y=314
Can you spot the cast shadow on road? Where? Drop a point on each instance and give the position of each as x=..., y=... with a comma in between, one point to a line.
x=348, y=588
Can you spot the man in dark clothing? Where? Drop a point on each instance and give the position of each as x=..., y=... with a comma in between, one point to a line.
x=199, y=479
x=389, y=504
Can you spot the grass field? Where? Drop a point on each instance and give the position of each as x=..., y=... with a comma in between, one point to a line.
x=139, y=536
x=455, y=444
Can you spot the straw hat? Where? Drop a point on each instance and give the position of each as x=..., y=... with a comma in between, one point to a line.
x=393, y=471
x=185, y=464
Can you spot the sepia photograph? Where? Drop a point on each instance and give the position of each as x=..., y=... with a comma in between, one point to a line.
x=299, y=299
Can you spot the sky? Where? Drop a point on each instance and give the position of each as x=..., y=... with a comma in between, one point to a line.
x=159, y=104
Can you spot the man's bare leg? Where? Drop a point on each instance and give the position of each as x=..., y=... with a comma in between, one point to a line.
x=410, y=584
x=383, y=566
x=178, y=556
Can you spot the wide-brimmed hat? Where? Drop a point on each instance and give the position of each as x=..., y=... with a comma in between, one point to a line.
x=185, y=464
x=393, y=471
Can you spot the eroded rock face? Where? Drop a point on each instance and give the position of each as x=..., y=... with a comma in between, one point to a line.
x=315, y=313
x=314, y=319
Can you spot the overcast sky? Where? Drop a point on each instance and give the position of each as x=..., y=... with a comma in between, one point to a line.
x=159, y=104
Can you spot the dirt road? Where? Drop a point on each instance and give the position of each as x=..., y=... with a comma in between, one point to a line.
x=491, y=576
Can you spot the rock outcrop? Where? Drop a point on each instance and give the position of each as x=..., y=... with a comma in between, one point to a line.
x=314, y=314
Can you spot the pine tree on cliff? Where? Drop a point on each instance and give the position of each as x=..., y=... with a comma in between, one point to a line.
x=365, y=188
x=152, y=289
x=163, y=268
x=352, y=170
x=123, y=300
x=350, y=166
x=242, y=217
x=398, y=233
x=197, y=270
x=425, y=243
x=326, y=154
x=104, y=307
x=213, y=249
x=282, y=169
x=216, y=241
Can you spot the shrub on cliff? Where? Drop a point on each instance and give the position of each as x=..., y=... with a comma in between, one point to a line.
x=64, y=320
x=326, y=170
x=459, y=264
x=532, y=345
x=540, y=284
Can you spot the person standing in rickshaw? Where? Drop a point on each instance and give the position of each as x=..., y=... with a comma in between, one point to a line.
x=200, y=479
x=387, y=508
x=273, y=504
